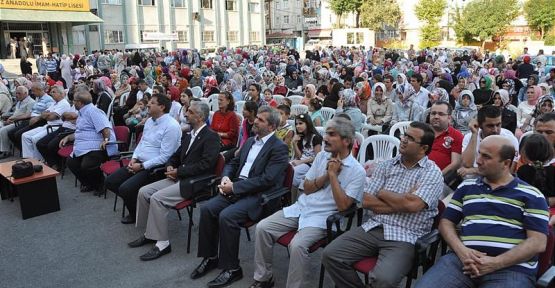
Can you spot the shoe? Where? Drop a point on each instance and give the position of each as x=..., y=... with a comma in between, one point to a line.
x=204, y=267
x=155, y=253
x=85, y=189
x=263, y=284
x=140, y=242
x=98, y=192
x=226, y=278
x=128, y=219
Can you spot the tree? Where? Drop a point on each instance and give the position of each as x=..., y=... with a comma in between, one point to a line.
x=375, y=14
x=340, y=7
x=430, y=12
x=540, y=14
x=485, y=19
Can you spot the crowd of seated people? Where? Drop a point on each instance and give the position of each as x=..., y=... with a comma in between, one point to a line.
x=474, y=131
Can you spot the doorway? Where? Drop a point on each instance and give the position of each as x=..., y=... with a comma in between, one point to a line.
x=17, y=36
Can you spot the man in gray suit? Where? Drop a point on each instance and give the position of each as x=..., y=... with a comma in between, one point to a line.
x=197, y=156
x=259, y=168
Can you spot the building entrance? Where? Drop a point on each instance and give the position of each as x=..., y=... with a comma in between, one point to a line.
x=30, y=39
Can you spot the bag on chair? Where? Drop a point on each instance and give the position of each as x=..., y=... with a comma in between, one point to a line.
x=21, y=169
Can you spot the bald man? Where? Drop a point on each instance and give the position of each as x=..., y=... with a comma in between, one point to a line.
x=504, y=227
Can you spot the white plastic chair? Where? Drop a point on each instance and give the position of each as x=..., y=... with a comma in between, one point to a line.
x=383, y=146
x=295, y=100
x=210, y=117
x=321, y=130
x=240, y=117
x=123, y=99
x=278, y=98
x=291, y=123
x=239, y=107
x=327, y=113
x=298, y=109
x=401, y=126
x=213, y=102
x=197, y=92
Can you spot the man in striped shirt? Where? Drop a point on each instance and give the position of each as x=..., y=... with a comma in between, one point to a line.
x=503, y=226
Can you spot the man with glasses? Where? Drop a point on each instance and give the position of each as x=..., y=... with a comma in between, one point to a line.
x=161, y=138
x=402, y=195
x=487, y=123
x=447, y=147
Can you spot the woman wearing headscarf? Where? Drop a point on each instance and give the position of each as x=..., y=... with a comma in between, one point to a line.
x=363, y=92
x=522, y=93
x=465, y=111
x=232, y=87
x=65, y=67
x=5, y=99
x=348, y=104
x=436, y=95
x=380, y=108
x=544, y=105
x=104, y=94
x=211, y=86
x=526, y=108
x=309, y=94
x=508, y=111
x=483, y=95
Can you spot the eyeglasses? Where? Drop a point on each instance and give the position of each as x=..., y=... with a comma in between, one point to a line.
x=434, y=113
x=408, y=138
x=483, y=82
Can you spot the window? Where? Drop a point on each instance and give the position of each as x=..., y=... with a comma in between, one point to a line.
x=254, y=7
x=206, y=4
x=111, y=2
x=232, y=36
x=113, y=37
x=230, y=5
x=355, y=38
x=207, y=36
x=286, y=19
x=147, y=2
x=182, y=36
x=179, y=3
x=143, y=34
x=285, y=3
x=78, y=37
x=254, y=36
x=299, y=19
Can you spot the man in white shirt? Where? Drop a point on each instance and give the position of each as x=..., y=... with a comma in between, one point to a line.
x=53, y=116
x=487, y=123
x=143, y=88
x=420, y=95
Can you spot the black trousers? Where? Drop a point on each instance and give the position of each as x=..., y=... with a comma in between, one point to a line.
x=86, y=168
x=48, y=145
x=126, y=185
x=15, y=134
x=219, y=226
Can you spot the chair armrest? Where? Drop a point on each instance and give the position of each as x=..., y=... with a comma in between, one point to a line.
x=425, y=249
x=547, y=279
x=335, y=219
x=277, y=194
x=157, y=169
x=50, y=128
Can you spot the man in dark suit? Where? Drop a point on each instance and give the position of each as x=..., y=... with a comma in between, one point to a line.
x=259, y=168
x=197, y=156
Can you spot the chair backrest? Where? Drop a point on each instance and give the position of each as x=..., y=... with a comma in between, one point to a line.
x=239, y=106
x=197, y=92
x=321, y=130
x=122, y=134
x=123, y=98
x=384, y=147
x=219, y=169
x=298, y=109
x=401, y=126
x=440, y=209
x=278, y=98
x=359, y=138
x=213, y=102
x=210, y=116
x=327, y=113
x=110, y=110
x=288, y=183
x=545, y=259
x=295, y=99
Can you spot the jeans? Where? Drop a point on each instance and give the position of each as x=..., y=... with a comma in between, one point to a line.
x=448, y=271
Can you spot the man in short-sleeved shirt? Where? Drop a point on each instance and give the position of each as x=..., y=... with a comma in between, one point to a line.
x=503, y=226
x=447, y=147
x=402, y=196
x=333, y=182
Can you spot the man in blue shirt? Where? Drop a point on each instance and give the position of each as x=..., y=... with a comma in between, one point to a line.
x=161, y=138
x=503, y=226
x=93, y=131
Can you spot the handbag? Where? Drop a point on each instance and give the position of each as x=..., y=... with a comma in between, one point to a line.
x=21, y=169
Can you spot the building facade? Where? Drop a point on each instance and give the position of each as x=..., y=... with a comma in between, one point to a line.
x=130, y=24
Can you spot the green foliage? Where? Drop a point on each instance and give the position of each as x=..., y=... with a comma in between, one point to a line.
x=549, y=40
x=375, y=14
x=484, y=19
x=430, y=12
x=540, y=14
x=340, y=7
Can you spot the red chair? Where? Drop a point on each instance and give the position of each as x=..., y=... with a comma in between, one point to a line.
x=425, y=252
x=190, y=204
x=284, y=194
x=64, y=153
x=334, y=219
x=546, y=270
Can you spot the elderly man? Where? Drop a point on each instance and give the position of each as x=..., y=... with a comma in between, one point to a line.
x=161, y=138
x=48, y=145
x=402, y=196
x=23, y=108
x=53, y=116
x=258, y=169
x=504, y=226
x=92, y=133
x=197, y=156
x=42, y=102
x=334, y=182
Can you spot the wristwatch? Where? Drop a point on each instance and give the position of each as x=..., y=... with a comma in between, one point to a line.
x=106, y=139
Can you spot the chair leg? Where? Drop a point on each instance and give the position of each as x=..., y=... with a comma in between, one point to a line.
x=190, y=212
x=178, y=214
x=123, y=210
x=248, y=234
x=115, y=200
x=366, y=279
x=409, y=281
x=322, y=272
